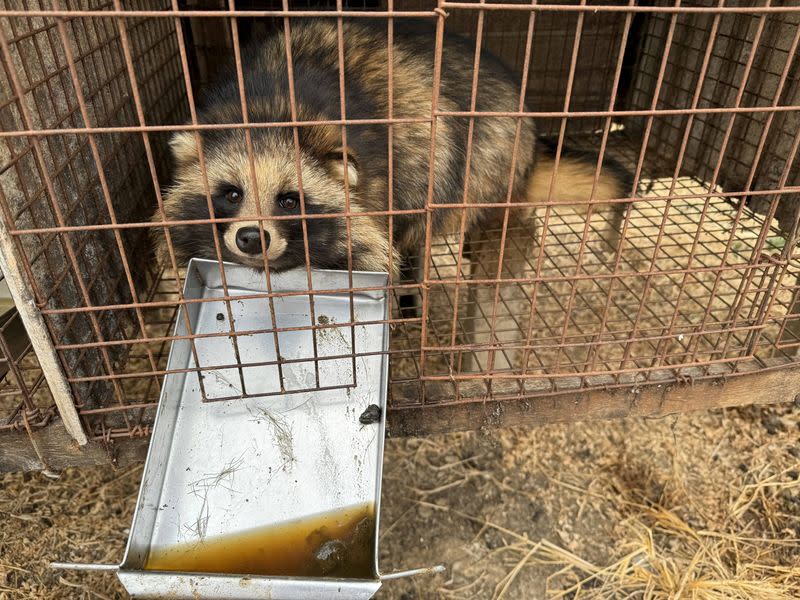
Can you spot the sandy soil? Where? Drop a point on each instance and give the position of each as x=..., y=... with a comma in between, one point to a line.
x=703, y=505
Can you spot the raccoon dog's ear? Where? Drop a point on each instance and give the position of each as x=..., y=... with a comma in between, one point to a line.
x=184, y=147
x=335, y=162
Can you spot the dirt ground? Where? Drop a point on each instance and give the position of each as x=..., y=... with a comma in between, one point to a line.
x=703, y=505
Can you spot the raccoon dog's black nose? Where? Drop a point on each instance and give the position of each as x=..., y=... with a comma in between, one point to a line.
x=248, y=239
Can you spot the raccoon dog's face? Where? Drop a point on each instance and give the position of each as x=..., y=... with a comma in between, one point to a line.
x=271, y=184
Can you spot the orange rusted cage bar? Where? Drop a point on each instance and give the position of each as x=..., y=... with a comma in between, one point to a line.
x=688, y=279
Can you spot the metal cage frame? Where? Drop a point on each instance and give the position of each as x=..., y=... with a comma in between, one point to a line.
x=694, y=303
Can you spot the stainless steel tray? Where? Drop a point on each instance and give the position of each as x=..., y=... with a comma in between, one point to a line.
x=220, y=467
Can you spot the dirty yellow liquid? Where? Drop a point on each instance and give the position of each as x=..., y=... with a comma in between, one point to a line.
x=334, y=544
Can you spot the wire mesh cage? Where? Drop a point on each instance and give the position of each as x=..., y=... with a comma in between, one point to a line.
x=25, y=401
x=548, y=310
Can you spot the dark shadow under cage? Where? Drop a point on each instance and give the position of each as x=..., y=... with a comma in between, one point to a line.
x=699, y=281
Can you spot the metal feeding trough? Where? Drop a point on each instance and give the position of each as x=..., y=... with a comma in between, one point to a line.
x=264, y=481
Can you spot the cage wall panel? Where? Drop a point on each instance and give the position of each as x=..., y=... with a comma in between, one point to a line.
x=752, y=63
x=57, y=181
x=505, y=33
x=211, y=41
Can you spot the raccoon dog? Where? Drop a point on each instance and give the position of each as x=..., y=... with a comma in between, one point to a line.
x=273, y=188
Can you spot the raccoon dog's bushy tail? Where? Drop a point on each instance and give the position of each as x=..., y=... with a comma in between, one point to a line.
x=575, y=178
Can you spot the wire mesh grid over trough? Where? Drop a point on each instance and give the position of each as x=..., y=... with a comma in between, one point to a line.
x=699, y=101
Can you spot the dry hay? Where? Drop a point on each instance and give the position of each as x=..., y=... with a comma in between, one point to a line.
x=83, y=516
x=664, y=556
x=702, y=506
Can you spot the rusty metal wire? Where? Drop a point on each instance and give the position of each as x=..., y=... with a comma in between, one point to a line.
x=699, y=99
x=24, y=395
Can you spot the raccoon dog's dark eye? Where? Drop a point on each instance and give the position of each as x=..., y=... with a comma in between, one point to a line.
x=234, y=195
x=289, y=200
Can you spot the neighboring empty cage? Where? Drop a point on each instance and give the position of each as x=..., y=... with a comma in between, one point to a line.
x=699, y=99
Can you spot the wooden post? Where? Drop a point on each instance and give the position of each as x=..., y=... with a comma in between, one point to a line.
x=650, y=400
x=39, y=336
